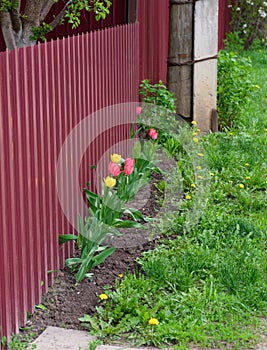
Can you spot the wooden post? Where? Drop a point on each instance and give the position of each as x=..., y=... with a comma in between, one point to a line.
x=205, y=71
x=181, y=51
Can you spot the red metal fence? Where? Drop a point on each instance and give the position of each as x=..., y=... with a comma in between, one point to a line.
x=44, y=92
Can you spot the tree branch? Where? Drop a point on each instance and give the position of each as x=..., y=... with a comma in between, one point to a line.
x=60, y=16
x=15, y=18
x=47, y=5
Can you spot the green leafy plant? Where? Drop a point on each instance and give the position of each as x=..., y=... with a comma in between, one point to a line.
x=157, y=94
x=7, y=5
x=19, y=342
x=41, y=31
x=3, y=341
x=73, y=13
x=234, y=89
x=172, y=146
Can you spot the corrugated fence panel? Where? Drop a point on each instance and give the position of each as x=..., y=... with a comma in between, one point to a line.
x=153, y=16
x=45, y=91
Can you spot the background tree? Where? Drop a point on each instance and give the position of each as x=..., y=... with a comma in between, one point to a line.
x=23, y=22
x=249, y=22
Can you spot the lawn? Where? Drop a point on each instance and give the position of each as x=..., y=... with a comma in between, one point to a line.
x=206, y=287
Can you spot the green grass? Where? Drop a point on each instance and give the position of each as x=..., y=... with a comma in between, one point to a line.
x=207, y=287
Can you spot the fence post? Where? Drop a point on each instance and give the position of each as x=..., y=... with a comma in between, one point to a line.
x=180, y=53
x=205, y=57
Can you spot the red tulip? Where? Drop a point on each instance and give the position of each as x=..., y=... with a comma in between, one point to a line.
x=153, y=134
x=128, y=166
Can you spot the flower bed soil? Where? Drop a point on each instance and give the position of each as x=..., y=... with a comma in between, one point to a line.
x=65, y=303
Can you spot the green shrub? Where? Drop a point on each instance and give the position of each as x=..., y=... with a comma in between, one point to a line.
x=234, y=87
x=157, y=94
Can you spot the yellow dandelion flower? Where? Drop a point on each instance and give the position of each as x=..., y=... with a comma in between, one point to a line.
x=231, y=133
x=230, y=181
x=198, y=167
x=194, y=122
x=193, y=185
x=211, y=173
x=248, y=177
x=265, y=129
x=120, y=275
x=188, y=197
x=257, y=86
x=246, y=164
x=153, y=321
x=195, y=139
x=241, y=186
x=200, y=177
x=200, y=154
x=109, y=181
x=103, y=296
x=195, y=133
x=115, y=158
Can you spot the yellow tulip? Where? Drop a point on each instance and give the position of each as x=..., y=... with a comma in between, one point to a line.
x=109, y=181
x=115, y=158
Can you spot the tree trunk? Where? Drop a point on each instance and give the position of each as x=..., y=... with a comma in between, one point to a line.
x=181, y=51
x=17, y=29
x=7, y=31
x=13, y=39
x=253, y=34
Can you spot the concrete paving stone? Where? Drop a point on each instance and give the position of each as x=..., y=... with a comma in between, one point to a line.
x=55, y=338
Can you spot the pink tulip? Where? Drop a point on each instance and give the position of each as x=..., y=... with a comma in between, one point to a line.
x=114, y=169
x=138, y=110
x=128, y=166
x=153, y=134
